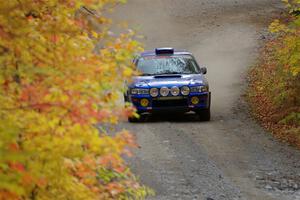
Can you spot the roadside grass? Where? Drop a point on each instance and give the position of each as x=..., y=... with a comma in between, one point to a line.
x=274, y=83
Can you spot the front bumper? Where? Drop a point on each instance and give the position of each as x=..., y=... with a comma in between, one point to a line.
x=171, y=103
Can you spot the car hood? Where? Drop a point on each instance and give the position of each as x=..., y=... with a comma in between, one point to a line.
x=169, y=80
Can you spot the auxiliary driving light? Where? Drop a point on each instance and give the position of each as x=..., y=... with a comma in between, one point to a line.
x=185, y=90
x=175, y=91
x=144, y=102
x=164, y=91
x=154, y=92
x=195, y=100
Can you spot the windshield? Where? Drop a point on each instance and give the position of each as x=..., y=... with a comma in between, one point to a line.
x=157, y=65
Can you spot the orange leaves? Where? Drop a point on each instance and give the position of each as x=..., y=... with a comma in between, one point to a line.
x=54, y=38
x=14, y=147
x=83, y=171
x=112, y=162
x=41, y=182
x=80, y=23
x=274, y=84
x=30, y=93
x=115, y=188
x=7, y=195
x=30, y=18
x=16, y=166
x=3, y=33
x=32, y=96
x=55, y=87
x=27, y=179
x=127, y=138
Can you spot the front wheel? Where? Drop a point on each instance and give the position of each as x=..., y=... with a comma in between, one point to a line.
x=204, y=115
x=133, y=119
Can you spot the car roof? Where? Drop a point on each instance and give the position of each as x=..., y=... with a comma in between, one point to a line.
x=176, y=52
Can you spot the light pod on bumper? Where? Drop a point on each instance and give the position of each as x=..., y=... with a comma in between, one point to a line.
x=175, y=91
x=164, y=91
x=185, y=90
x=154, y=92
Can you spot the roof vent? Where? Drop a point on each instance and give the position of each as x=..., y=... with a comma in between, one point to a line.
x=165, y=50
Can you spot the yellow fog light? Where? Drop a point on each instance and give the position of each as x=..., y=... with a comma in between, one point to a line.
x=195, y=100
x=144, y=102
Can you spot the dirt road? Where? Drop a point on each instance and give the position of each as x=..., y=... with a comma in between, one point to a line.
x=230, y=157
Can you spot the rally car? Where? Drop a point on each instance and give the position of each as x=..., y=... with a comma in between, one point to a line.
x=170, y=81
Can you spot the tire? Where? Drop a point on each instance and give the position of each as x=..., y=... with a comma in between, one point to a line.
x=126, y=98
x=133, y=119
x=204, y=115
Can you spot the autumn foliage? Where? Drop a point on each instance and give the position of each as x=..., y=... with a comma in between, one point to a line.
x=55, y=86
x=275, y=82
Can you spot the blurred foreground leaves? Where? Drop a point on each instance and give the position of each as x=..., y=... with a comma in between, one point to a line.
x=54, y=88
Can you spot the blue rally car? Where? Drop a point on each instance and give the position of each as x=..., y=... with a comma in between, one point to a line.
x=170, y=81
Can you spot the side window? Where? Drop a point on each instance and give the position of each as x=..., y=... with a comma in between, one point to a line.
x=136, y=60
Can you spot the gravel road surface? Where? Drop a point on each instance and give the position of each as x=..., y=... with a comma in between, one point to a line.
x=231, y=157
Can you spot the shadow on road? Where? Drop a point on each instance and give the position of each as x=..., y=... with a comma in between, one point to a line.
x=177, y=118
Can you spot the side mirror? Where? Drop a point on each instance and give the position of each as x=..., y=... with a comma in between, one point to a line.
x=203, y=70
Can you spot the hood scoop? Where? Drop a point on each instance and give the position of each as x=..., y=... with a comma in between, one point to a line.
x=168, y=76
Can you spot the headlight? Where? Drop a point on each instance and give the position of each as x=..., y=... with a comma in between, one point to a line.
x=185, y=90
x=175, y=91
x=139, y=91
x=203, y=88
x=164, y=91
x=154, y=92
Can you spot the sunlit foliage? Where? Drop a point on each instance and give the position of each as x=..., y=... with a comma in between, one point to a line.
x=54, y=88
x=275, y=83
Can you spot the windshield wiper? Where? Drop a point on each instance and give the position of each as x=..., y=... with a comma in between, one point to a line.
x=177, y=73
x=148, y=74
x=162, y=74
x=169, y=73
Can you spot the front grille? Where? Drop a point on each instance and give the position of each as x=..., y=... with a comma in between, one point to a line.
x=169, y=103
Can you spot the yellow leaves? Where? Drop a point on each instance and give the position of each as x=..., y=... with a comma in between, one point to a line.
x=114, y=120
x=274, y=85
x=54, y=88
x=287, y=48
x=292, y=5
x=121, y=56
x=295, y=70
x=2, y=79
x=275, y=82
x=56, y=95
x=260, y=88
x=276, y=26
x=128, y=72
x=94, y=34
